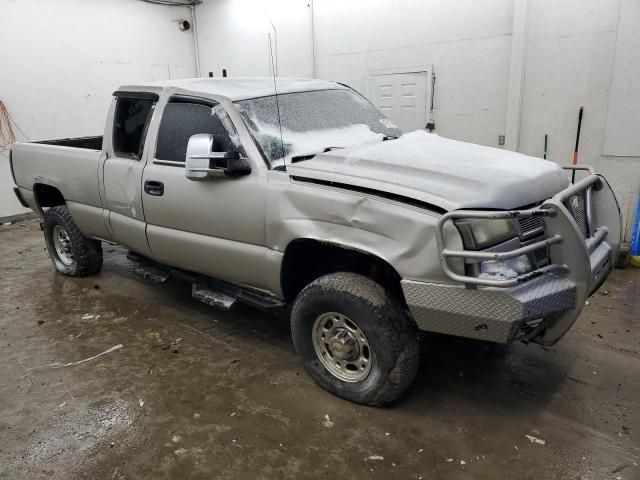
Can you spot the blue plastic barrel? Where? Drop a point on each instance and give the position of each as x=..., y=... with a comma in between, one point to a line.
x=635, y=238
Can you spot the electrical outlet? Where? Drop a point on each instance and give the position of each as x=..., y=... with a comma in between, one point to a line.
x=500, y=139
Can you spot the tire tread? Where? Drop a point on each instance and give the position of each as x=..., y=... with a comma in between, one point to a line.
x=87, y=252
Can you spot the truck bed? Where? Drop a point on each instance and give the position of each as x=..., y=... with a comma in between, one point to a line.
x=69, y=165
x=89, y=143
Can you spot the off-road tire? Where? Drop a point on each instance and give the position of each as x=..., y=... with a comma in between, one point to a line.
x=391, y=333
x=87, y=253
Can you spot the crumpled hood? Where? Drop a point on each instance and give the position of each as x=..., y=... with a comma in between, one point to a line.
x=446, y=173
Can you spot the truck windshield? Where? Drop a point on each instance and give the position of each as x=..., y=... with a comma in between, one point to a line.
x=312, y=122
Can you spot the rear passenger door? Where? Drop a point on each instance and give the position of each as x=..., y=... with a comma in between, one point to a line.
x=122, y=172
x=214, y=226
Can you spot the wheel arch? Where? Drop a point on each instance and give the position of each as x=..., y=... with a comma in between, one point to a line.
x=306, y=259
x=47, y=195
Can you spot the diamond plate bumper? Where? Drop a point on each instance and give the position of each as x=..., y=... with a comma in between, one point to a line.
x=487, y=313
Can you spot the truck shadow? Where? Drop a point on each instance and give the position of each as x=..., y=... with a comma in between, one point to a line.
x=520, y=377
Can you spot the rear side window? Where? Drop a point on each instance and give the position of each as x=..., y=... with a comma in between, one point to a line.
x=181, y=120
x=131, y=118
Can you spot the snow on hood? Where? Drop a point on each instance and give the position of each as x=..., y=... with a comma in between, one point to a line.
x=446, y=173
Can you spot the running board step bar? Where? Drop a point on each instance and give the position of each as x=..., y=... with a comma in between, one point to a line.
x=225, y=295
x=213, y=292
x=201, y=291
x=149, y=269
x=156, y=275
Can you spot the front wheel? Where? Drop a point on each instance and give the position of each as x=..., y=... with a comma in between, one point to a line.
x=354, y=339
x=71, y=252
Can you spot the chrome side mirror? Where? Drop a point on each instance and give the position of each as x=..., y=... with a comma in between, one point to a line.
x=202, y=163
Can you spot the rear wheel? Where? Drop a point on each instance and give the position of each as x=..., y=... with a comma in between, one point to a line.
x=71, y=252
x=355, y=340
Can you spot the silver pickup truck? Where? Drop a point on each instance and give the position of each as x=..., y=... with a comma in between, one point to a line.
x=312, y=203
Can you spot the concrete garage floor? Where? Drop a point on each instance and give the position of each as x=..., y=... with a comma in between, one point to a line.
x=231, y=399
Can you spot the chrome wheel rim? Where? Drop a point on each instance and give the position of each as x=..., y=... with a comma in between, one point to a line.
x=62, y=244
x=341, y=347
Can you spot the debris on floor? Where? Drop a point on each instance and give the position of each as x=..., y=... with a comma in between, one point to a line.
x=374, y=457
x=71, y=364
x=174, y=346
x=537, y=440
x=620, y=468
x=327, y=423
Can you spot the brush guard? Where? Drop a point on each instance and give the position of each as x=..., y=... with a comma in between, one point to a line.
x=582, y=228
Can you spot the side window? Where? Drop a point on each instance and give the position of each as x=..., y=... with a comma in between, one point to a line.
x=181, y=120
x=131, y=118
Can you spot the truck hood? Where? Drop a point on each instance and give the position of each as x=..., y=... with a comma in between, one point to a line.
x=445, y=173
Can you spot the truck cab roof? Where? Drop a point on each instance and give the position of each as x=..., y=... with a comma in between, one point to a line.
x=236, y=88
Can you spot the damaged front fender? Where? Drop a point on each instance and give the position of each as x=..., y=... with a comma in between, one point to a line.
x=401, y=235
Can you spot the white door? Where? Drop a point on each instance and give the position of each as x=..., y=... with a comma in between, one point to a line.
x=402, y=97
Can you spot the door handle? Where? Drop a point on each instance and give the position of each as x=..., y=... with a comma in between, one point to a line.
x=152, y=187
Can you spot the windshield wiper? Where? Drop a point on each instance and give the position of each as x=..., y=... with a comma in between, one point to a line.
x=309, y=156
x=389, y=137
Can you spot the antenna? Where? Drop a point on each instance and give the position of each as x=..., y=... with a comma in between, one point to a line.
x=275, y=88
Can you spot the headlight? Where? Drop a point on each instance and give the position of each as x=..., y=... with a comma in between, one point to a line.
x=505, y=269
x=482, y=232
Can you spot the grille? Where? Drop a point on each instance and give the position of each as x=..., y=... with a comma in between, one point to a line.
x=531, y=231
x=541, y=255
x=576, y=205
x=530, y=226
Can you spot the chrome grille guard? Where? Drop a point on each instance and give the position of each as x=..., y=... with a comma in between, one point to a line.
x=594, y=237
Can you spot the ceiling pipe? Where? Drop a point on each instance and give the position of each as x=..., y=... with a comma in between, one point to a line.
x=313, y=40
x=196, y=51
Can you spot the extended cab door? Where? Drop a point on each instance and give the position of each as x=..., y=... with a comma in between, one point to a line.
x=122, y=172
x=214, y=226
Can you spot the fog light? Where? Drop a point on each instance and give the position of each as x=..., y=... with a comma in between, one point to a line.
x=505, y=269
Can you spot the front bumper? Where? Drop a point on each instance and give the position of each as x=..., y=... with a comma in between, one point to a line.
x=493, y=314
x=539, y=306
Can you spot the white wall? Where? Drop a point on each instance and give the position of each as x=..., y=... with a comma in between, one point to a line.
x=62, y=59
x=575, y=52
x=234, y=35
